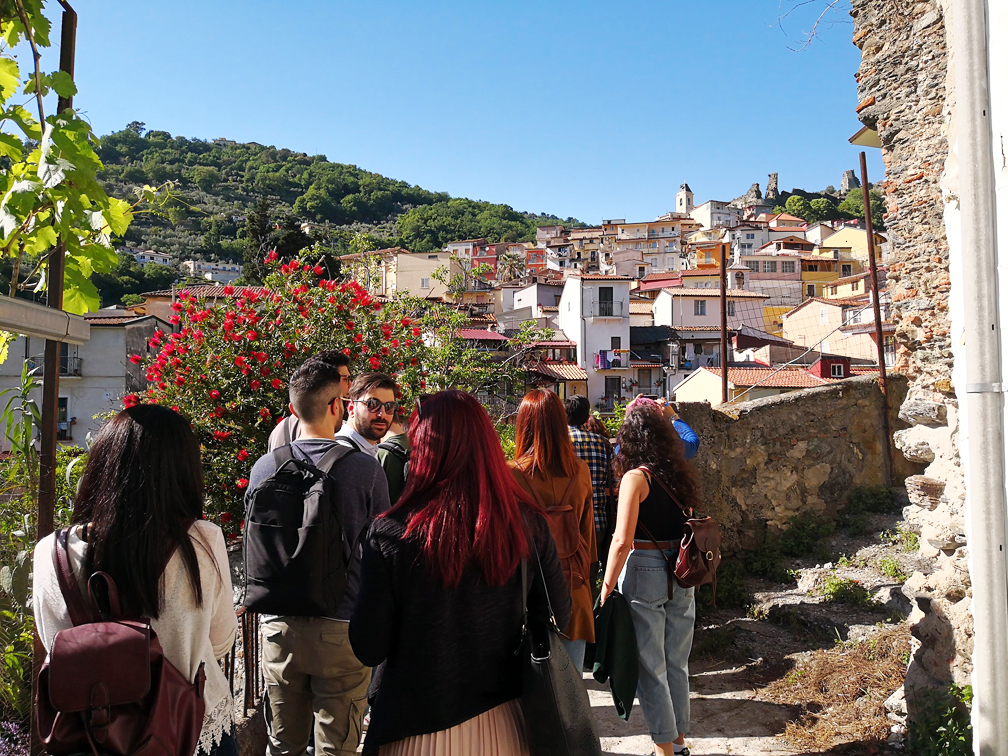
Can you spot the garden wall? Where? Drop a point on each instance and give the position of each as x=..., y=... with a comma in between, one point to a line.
x=764, y=461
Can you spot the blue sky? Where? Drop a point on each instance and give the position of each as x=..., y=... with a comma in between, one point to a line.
x=587, y=109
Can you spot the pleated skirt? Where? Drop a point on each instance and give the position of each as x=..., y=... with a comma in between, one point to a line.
x=498, y=732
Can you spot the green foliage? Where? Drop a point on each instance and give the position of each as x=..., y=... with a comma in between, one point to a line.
x=613, y=421
x=799, y=207
x=853, y=206
x=427, y=228
x=862, y=502
x=506, y=434
x=768, y=562
x=942, y=725
x=804, y=534
x=823, y=209
x=48, y=172
x=840, y=590
x=731, y=589
x=890, y=567
x=905, y=540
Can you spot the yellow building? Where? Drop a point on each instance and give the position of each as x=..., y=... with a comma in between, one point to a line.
x=850, y=286
x=817, y=274
x=856, y=241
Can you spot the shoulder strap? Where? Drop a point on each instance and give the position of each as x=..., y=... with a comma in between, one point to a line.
x=393, y=448
x=282, y=455
x=79, y=611
x=675, y=499
x=332, y=457
x=527, y=485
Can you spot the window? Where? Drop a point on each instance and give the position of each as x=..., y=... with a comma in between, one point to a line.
x=699, y=306
x=424, y=283
x=856, y=286
x=640, y=271
x=769, y=266
x=432, y=257
x=823, y=316
x=698, y=348
x=654, y=262
x=753, y=265
x=832, y=290
x=846, y=269
x=644, y=379
x=614, y=342
x=731, y=309
x=836, y=370
x=750, y=236
x=813, y=268
x=810, y=290
x=787, y=266
x=824, y=346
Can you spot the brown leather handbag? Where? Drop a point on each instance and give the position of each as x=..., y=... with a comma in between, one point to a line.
x=700, y=549
x=106, y=687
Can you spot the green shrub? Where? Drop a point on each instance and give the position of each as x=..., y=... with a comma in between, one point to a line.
x=804, y=535
x=768, y=562
x=890, y=567
x=838, y=590
x=942, y=725
x=731, y=590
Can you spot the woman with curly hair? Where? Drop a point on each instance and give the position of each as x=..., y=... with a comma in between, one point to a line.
x=648, y=522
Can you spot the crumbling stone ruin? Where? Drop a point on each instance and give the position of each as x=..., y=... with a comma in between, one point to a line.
x=771, y=188
x=848, y=181
x=906, y=92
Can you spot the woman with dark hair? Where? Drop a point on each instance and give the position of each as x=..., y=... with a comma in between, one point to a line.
x=594, y=425
x=440, y=601
x=138, y=516
x=548, y=468
x=648, y=522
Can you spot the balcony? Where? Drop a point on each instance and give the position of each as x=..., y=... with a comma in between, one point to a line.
x=607, y=360
x=607, y=309
x=69, y=366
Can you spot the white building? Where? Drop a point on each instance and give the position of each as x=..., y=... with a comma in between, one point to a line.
x=150, y=256
x=688, y=307
x=94, y=376
x=595, y=314
x=220, y=272
x=716, y=214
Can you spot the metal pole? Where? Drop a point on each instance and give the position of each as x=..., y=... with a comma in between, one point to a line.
x=51, y=366
x=724, y=324
x=879, y=338
x=982, y=438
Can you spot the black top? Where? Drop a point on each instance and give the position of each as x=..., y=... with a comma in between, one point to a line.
x=662, y=516
x=449, y=653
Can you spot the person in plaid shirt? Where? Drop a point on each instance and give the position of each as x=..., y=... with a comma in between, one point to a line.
x=597, y=452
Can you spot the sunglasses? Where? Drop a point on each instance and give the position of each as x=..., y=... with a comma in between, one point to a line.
x=373, y=405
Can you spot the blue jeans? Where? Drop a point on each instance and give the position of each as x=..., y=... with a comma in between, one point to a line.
x=576, y=650
x=664, y=626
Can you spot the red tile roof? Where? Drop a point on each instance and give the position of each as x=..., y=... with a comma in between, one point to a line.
x=701, y=272
x=789, y=377
x=599, y=277
x=561, y=371
x=660, y=276
x=700, y=291
x=642, y=308
x=480, y=334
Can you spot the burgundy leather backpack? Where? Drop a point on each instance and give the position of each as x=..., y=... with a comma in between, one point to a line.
x=106, y=687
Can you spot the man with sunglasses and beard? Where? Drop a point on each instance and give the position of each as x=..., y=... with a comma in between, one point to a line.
x=315, y=685
x=371, y=406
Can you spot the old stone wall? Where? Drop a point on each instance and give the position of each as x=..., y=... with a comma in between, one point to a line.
x=906, y=92
x=767, y=460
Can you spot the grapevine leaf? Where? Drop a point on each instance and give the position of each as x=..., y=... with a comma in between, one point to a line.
x=119, y=215
x=11, y=146
x=62, y=83
x=79, y=294
x=42, y=240
x=10, y=78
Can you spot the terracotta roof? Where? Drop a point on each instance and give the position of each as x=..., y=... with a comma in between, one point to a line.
x=373, y=252
x=797, y=239
x=485, y=318
x=696, y=291
x=560, y=370
x=863, y=370
x=554, y=343
x=660, y=276
x=480, y=334
x=119, y=317
x=641, y=308
x=850, y=279
x=599, y=277
x=655, y=285
x=546, y=308
x=787, y=217
x=206, y=291
x=701, y=272
x=789, y=377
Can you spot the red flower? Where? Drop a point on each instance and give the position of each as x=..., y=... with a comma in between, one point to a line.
x=277, y=383
x=264, y=371
x=319, y=270
x=176, y=306
x=242, y=455
x=180, y=380
x=413, y=361
x=375, y=363
x=136, y=359
x=219, y=411
x=214, y=394
x=241, y=483
x=131, y=400
x=395, y=343
x=416, y=331
x=405, y=322
x=346, y=351
x=255, y=385
x=358, y=338
x=252, y=335
x=225, y=518
x=174, y=320
x=221, y=435
x=261, y=357
x=239, y=361
x=264, y=413
x=228, y=290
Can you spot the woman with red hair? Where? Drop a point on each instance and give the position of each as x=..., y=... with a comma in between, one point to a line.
x=548, y=468
x=440, y=601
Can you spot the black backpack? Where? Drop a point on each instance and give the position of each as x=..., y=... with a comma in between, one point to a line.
x=295, y=550
x=403, y=455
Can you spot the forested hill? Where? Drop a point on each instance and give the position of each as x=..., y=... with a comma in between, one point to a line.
x=226, y=188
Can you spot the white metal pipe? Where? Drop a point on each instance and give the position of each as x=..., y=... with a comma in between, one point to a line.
x=985, y=473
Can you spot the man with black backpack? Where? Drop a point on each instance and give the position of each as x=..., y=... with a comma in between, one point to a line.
x=394, y=454
x=307, y=506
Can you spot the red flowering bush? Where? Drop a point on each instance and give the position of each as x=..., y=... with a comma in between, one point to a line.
x=228, y=366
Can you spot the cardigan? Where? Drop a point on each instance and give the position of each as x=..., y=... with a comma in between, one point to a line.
x=616, y=652
x=551, y=490
x=190, y=635
x=449, y=654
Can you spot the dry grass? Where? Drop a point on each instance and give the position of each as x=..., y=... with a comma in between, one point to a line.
x=842, y=691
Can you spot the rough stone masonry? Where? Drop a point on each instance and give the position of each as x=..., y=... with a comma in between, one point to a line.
x=906, y=92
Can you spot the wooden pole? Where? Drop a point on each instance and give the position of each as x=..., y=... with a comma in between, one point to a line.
x=724, y=324
x=51, y=368
x=879, y=338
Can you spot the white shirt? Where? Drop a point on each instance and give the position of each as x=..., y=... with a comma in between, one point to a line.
x=190, y=635
x=347, y=433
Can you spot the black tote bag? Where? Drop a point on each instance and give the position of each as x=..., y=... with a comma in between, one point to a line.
x=554, y=701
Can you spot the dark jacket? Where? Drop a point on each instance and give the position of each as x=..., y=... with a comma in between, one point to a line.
x=393, y=454
x=616, y=651
x=449, y=653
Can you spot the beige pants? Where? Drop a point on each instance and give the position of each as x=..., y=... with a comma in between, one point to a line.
x=311, y=676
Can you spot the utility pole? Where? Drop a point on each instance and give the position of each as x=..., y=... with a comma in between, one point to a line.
x=724, y=323
x=879, y=338
x=51, y=366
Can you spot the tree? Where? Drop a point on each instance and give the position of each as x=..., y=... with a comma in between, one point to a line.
x=853, y=206
x=510, y=265
x=137, y=127
x=823, y=209
x=799, y=207
x=206, y=177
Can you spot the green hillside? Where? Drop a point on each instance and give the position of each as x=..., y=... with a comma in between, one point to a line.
x=227, y=189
